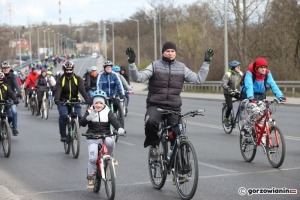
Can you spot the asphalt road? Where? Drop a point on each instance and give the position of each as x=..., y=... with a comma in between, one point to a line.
x=38, y=168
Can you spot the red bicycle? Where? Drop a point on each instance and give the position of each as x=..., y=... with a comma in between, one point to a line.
x=265, y=128
x=105, y=167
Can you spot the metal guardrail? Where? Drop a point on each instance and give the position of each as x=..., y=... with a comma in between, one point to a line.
x=291, y=87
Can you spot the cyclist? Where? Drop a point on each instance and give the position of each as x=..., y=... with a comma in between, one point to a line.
x=12, y=82
x=165, y=86
x=29, y=84
x=230, y=83
x=42, y=84
x=256, y=91
x=109, y=82
x=126, y=86
x=90, y=81
x=68, y=87
x=7, y=94
x=124, y=74
x=98, y=118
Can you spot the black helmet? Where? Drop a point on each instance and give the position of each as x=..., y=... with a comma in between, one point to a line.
x=68, y=66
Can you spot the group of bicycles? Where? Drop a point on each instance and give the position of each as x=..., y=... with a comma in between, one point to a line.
x=47, y=102
x=265, y=133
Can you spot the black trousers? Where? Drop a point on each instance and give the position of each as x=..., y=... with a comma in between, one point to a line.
x=152, y=120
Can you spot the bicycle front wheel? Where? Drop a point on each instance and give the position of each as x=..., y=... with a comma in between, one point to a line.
x=97, y=182
x=227, y=127
x=45, y=109
x=6, y=138
x=248, y=146
x=67, y=144
x=186, y=170
x=33, y=106
x=110, y=182
x=275, y=147
x=157, y=168
x=75, y=138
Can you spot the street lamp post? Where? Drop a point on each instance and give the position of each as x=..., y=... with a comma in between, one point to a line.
x=20, y=50
x=38, y=42
x=30, y=49
x=138, y=39
x=225, y=37
x=44, y=42
x=113, y=40
x=49, y=46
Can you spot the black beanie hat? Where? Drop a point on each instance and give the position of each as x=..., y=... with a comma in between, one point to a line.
x=168, y=45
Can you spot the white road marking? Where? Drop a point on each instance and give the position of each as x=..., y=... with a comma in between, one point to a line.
x=217, y=167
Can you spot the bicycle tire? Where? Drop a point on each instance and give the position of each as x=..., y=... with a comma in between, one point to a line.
x=186, y=176
x=157, y=169
x=248, y=148
x=120, y=116
x=45, y=112
x=228, y=129
x=277, y=148
x=97, y=184
x=6, y=138
x=110, y=178
x=75, y=140
x=67, y=144
x=32, y=106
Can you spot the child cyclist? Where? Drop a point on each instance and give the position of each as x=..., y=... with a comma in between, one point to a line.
x=98, y=118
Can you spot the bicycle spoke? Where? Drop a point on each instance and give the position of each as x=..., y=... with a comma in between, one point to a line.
x=275, y=147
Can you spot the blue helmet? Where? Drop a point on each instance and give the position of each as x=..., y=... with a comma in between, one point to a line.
x=234, y=64
x=99, y=93
x=116, y=68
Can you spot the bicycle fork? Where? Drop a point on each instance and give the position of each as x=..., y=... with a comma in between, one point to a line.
x=103, y=160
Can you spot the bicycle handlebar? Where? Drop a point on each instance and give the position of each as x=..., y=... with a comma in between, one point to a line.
x=190, y=113
x=99, y=135
x=72, y=102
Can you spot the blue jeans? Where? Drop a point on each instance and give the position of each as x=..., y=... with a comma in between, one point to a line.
x=63, y=116
x=12, y=115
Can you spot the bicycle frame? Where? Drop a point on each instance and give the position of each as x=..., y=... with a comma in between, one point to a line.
x=102, y=158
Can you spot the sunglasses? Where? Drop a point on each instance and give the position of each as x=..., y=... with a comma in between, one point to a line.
x=69, y=70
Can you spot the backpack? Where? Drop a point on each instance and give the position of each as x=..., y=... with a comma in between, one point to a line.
x=242, y=83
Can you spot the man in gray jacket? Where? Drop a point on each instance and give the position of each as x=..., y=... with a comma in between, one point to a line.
x=166, y=78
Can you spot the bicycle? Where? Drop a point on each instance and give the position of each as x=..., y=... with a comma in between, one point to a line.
x=72, y=137
x=274, y=143
x=119, y=114
x=5, y=131
x=237, y=117
x=50, y=98
x=181, y=161
x=33, y=102
x=44, y=106
x=105, y=167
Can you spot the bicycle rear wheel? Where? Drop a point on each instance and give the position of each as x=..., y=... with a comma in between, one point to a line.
x=157, y=168
x=186, y=170
x=275, y=147
x=6, y=138
x=227, y=129
x=110, y=182
x=248, y=146
x=33, y=106
x=120, y=116
x=75, y=138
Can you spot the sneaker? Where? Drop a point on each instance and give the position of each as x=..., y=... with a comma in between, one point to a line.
x=154, y=155
x=227, y=122
x=15, y=132
x=182, y=179
x=91, y=182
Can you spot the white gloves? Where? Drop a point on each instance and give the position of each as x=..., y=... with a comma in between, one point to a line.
x=121, y=131
x=92, y=115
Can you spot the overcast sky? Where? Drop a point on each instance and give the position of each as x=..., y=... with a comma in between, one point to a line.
x=37, y=11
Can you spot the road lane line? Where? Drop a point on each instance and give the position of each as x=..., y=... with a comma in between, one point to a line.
x=7, y=194
x=131, y=144
x=217, y=167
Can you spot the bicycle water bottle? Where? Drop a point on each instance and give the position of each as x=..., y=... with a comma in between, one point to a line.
x=170, y=152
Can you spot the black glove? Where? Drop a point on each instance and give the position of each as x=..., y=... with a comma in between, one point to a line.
x=282, y=99
x=208, y=55
x=16, y=101
x=56, y=101
x=131, y=55
x=230, y=91
x=19, y=95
